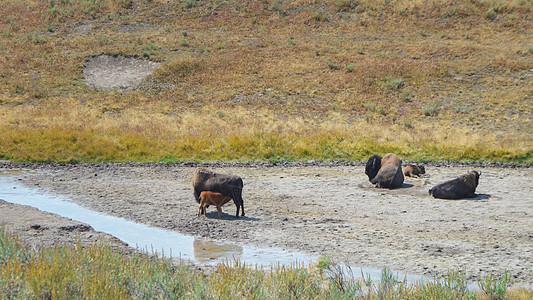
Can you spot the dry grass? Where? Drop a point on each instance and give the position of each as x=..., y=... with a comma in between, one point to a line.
x=270, y=80
x=99, y=271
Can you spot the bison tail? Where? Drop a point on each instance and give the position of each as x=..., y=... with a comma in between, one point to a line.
x=430, y=191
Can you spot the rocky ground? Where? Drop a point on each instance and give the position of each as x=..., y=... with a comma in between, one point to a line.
x=317, y=209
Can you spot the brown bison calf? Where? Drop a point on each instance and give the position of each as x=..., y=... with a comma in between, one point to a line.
x=386, y=171
x=463, y=186
x=210, y=198
x=414, y=170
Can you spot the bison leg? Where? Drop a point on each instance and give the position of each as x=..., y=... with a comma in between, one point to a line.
x=219, y=209
x=237, y=199
x=200, y=210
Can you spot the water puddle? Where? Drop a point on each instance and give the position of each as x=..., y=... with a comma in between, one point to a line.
x=161, y=241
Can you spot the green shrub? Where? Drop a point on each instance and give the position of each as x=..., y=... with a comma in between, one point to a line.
x=431, y=110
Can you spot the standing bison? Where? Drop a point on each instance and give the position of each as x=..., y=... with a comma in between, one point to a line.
x=463, y=186
x=386, y=171
x=227, y=185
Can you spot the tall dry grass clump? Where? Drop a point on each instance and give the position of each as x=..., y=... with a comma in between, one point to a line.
x=211, y=134
x=99, y=271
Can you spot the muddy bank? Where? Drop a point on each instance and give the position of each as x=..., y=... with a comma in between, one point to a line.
x=42, y=229
x=324, y=210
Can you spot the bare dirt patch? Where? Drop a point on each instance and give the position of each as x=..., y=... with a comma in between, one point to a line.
x=108, y=72
x=326, y=210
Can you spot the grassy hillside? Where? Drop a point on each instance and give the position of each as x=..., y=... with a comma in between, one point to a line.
x=269, y=80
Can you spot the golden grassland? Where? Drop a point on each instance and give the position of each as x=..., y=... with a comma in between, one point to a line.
x=101, y=272
x=270, y=80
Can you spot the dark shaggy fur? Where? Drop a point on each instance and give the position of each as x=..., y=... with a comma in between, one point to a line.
x=463, y=186
x=386, y=171
x=227, y=185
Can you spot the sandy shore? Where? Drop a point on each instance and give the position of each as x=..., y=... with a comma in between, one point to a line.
x=321, y=210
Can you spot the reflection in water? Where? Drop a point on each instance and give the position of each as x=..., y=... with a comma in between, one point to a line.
x=151, y=239
x=207, y=251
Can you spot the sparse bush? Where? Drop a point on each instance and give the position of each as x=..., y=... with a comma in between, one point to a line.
x=323, y=263
x=103, y=39
x=496, y=287
x=381, y=110
x=407, y=95
x=333, y=65
x=320, y=16
x=193, y=3
x=349, y=68
x=345, y=5
x=370, y=106
x=460, y=109
x=493, y=12
x=393, y=83
x=35, y=38
x=128, y=4
x=277, y=7
x=430, y=110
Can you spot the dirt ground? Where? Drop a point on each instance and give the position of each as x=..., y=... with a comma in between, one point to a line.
x=117, y=72
x=317, y=209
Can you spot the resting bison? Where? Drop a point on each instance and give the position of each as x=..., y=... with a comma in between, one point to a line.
x=463, y=186
x=227, y=185
x=210, y=198
x=414, y=170
x=386, y=171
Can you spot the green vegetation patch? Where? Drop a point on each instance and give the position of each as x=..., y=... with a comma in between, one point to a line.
x=99, y=271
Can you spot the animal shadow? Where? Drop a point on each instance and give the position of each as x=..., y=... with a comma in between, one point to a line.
x=406, y=185
x=480, y=197
x=228, y=217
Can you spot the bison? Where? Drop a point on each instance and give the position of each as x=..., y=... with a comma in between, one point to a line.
x=227, y=185
x=463, y=186
x=210, y=198
x=414, y=170
x=386, y=171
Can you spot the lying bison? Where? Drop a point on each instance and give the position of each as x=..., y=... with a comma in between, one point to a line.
x=386, y=171
x=227, y=185
x=463, y=186
x=414, y=170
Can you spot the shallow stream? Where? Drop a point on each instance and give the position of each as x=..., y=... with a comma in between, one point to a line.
x=161, y=241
